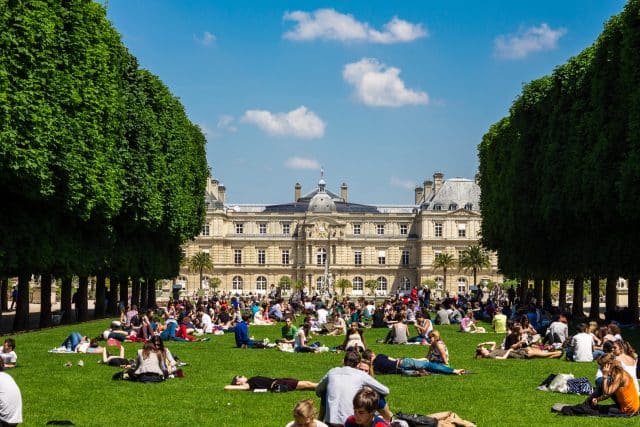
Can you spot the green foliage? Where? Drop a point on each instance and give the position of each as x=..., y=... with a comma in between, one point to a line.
x=343, y=284
x=444, y=261
x=285, y=283
x=201, y=263
x=372, y=285
x=474, y=258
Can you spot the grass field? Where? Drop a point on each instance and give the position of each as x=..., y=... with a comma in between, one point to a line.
x=500, y=393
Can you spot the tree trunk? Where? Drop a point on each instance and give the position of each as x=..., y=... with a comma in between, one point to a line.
x=524, y=287
x=83, y=299
x=144, y=301
x=151, y=293
x=611, y=296
x=21, y=319
x=124, y=291
x=578, y=295
x=45, y=300
x=112, y=305
x=101, y=292
x=546, y=294
x=4, y=294
x=594, y=312
x=135, y=292
x=633, y=299
x=65, y=300
x=537, y=290
x=562, y=295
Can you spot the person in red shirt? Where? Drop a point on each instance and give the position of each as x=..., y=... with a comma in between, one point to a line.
x=365, y=404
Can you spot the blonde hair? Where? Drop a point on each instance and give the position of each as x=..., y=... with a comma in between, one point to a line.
x=304, y=409
x=435, y=335
x=593, y=326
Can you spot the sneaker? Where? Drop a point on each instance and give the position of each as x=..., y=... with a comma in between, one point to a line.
x=68, y=364
x=81, y=363
x=557, y=407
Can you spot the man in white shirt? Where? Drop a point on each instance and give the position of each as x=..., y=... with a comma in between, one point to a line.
x=10, y=400
x=8, y=355
x=581, y=348
x=557, y=332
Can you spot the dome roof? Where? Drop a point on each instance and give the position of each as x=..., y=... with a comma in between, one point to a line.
x=322, y=203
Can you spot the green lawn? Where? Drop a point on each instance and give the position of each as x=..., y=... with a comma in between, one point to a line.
x=500, y=393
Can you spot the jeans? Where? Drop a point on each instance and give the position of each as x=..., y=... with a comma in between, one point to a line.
x=407, y=365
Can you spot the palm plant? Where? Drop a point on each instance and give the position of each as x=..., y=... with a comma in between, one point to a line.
x=343, y=284
x=444, y=261
x=201, y=262
x=372, y=285
x=474, y=258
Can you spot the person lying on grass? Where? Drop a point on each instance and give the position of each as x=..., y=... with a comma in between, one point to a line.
x=491, y=352
x=383, y=364
x=242, y=383
x=119, y=361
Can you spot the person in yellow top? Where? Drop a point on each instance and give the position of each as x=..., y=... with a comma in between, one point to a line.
x=499, y=322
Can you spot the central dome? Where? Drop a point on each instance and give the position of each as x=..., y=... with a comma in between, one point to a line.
x=322, y=201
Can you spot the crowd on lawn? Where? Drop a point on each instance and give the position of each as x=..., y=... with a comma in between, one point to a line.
x=351, y=395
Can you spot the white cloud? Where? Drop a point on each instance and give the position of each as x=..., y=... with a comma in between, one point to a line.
x=526, y=41
x=377, y=85
x=226, y=122
x=331, y=25
x=406, y=184
x=302, y=163
x=206, y=39
x=300, y=123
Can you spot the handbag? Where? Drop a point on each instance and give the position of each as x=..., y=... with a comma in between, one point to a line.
x=417, y=420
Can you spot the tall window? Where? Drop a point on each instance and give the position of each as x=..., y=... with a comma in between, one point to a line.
x=357, y=255
x=468, y=206
x=358, y=284
x=320, y=284
x=356, y=229
x=205, y=230
x=262, y=257
x=437, y=207
x=262, y=228
x=462, y=230
x=438, y=229
x=379, y=229
x=453, y=207
x=382, y=257
x=261, y=283
x=405, y=257
x=285, y=257
x=382, y=285
x=404, y=229
x=321, y=256
x=462, y=285
x=237, y=256
x=405, y=284
x=239, y=228
x=286, y=228
x=236, y=283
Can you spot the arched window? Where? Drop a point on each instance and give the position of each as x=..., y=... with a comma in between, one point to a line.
x=261, y=284
x=462, y=285
x=236, y=284
x=382, y=285
x=320, y=283
x=321, y=256
x=358, y=284
x=405, y=284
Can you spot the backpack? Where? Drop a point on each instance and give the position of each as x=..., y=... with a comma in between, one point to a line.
x=417, y=420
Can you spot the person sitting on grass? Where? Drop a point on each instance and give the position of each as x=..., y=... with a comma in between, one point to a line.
x=492, y=352
x=304, y=415
x=354, y=340
x=300, y=343
x=423, y=327
x=168, y=361
x=242, y=383
x=468, y=324
x=617, y=384
x=148, y=365
x=383, y=364
x=288, y=331
x=338, y=325
x=399, y=332
x=8, y=355
x=242, y=334
x=10, y=400
x=499, y=322
x=438, y=351
x=365, y=404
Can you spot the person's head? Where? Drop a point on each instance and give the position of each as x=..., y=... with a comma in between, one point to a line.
x=434, y=335
x=353, y=326
x=304, y=413
x=246, y=317
x=582, y=327
x=364, y=366
x=158, y=343
x=147, y=349
x=93, y=343
x=365, y=403
x=607, y=346
x=351, y=358
x=609, y=359
x=368, y=355
x=9, y=345
x=617, y=347
x=481, y=351
x=613, y=329
x=239, y=380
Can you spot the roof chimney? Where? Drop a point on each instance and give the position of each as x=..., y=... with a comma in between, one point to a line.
x=419, y=191
x=297, y=190
x=437, y=181
x=344, y=192
x=221, y=192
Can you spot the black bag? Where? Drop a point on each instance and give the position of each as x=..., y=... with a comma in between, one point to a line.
x=417, y=420
x=280, y=388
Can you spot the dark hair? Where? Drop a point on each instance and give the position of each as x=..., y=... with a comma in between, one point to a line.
x=367, y=355
x=11, y=342
x=582, y=327
x=607, y=346
x=367, y=399
x=351, y=358
x=234, y=380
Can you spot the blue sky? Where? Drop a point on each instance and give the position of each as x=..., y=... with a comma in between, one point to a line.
x=381, y=94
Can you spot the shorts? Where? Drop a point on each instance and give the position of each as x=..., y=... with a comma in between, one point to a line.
x=290, y=383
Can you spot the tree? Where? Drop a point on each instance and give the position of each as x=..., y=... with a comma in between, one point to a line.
x=201, y=263
x=298, y=285
x=214, y=284
x=343, y=284
x=444, y=261
x=474, y=258
x=372, y=285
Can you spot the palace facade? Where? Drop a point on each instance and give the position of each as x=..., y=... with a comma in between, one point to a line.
x=322, y=237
